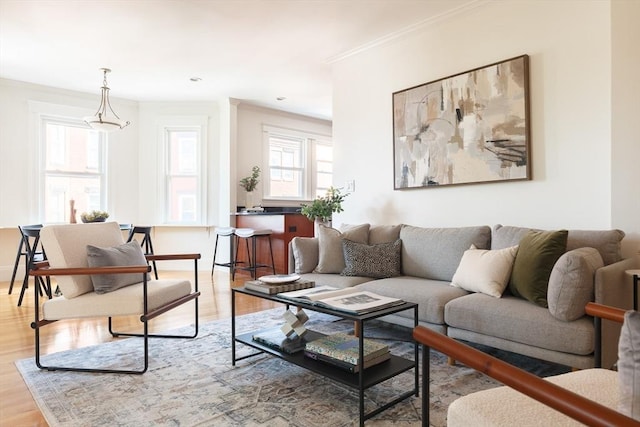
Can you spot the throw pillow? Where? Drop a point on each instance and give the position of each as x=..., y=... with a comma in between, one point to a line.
x=629, y=365
x=538, y=252
x=127, y=254
x=330, y=255
x=384, y=233
x=305, y=251
x=571, y=283
x=485, y=271
x=377, y=261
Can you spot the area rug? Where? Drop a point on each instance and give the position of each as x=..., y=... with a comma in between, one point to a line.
x=192, y=383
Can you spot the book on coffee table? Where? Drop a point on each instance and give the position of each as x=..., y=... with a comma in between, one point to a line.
x=274, y=288
x=350, y=367
x=349, y=300
x=345, y=348
x=277, y=340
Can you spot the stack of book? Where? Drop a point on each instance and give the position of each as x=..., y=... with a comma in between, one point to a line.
x=342, y=350
x=276, y=288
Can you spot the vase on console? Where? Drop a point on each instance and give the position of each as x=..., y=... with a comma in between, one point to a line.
x=248, y=200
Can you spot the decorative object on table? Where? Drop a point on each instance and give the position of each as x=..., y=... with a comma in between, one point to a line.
x=276, y=339
x=105, y=119
x=72, y=212
x=294, y=323
x=279, y=279
x=468, y=128
x=273, y=289
x=94, y=216
x=321, y=210
x=250, y=183
x=345, y=348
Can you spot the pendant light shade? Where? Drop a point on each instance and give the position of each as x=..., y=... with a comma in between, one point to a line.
x=105, y=118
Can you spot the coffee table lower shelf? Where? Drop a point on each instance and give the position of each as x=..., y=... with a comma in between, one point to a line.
x=374, y=374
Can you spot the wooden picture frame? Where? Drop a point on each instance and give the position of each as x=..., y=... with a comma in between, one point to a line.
x=471, y=127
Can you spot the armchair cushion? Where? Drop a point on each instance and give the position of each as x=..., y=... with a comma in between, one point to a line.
x=629, y=365
x=127, y=254
x=66, y=246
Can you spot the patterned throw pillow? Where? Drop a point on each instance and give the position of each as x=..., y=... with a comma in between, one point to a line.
x=376, y=261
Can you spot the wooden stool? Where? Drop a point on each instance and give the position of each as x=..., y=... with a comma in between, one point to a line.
x=225, y=232
x=249, y=234
x=146, y=244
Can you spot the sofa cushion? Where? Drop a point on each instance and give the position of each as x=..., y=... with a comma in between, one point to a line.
x=330, y=255
x=571, y=283
x=384, y=233
x=127, y=254
x=430, y=295
x=537, y=253
x=607, y=242
x=435, y=253
x=486, y=271
x=629, y=365
x=517, y=320
x=305, y=252
x=377, y=261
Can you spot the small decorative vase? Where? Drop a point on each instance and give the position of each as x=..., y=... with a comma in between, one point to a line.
x=72, y=212
x=317, y=223
x=248, y=200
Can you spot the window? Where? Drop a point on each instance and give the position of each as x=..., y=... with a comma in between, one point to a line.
x=183, y=174
x=73, y=168
x=300, y=164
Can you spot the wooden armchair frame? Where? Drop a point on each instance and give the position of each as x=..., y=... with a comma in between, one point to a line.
x=569, y=403
x=43, y=269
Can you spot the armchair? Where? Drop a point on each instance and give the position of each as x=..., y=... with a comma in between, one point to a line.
x=113, y=281
x=571, y=394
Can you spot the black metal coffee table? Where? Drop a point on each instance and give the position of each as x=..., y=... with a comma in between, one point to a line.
x=364, y=379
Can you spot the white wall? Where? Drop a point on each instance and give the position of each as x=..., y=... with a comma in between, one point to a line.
x=569, y=44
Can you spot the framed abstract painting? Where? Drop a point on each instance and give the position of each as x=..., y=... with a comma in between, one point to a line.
x=472, y=127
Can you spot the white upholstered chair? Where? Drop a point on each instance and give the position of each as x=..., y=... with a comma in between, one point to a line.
x=587, y=397
x=113, y=281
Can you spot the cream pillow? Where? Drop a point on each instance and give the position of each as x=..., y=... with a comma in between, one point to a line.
x=485, y=271
x=330, y=254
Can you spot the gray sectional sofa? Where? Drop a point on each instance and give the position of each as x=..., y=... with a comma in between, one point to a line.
x=591, y=269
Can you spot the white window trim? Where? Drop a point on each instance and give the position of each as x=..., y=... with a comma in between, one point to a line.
x=170, y=123
x=312, y=138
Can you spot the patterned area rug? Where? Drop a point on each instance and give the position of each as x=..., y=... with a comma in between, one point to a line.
x=192, y=383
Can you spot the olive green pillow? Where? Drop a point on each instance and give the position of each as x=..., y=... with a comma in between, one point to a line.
x=537, y=254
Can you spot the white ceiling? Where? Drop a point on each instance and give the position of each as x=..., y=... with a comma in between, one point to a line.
x=252, y=50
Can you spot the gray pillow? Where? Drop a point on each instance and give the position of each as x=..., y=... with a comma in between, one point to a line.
x=384, y=233
x=571, y=283
x=629, y=366
x=330, y=256
x=305, y=251
x=377, y=261
x=127, y=254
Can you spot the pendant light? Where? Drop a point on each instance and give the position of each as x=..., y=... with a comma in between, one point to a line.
x=105, y=118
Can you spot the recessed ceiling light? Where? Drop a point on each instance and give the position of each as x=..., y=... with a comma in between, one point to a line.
x=281, y=98
x=195, y=79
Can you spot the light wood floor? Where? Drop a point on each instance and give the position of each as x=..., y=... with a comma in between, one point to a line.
x=17, y=407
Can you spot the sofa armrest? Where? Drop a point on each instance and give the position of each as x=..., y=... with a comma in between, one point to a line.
x=613, y=287
x=303, y=254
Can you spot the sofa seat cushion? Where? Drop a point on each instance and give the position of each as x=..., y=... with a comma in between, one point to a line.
x=520, y=321
x=430, y=295
x=504, y=406
x=122, y=302
x=335, y=280
x=435, y=253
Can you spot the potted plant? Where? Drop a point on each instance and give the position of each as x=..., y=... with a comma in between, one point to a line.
x=250, y=183
x=322, y=208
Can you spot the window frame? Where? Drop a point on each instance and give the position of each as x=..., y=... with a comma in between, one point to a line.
x=309, y=170
x=178, y=124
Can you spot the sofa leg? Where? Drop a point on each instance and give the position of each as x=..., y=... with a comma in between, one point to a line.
x=451, y=361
